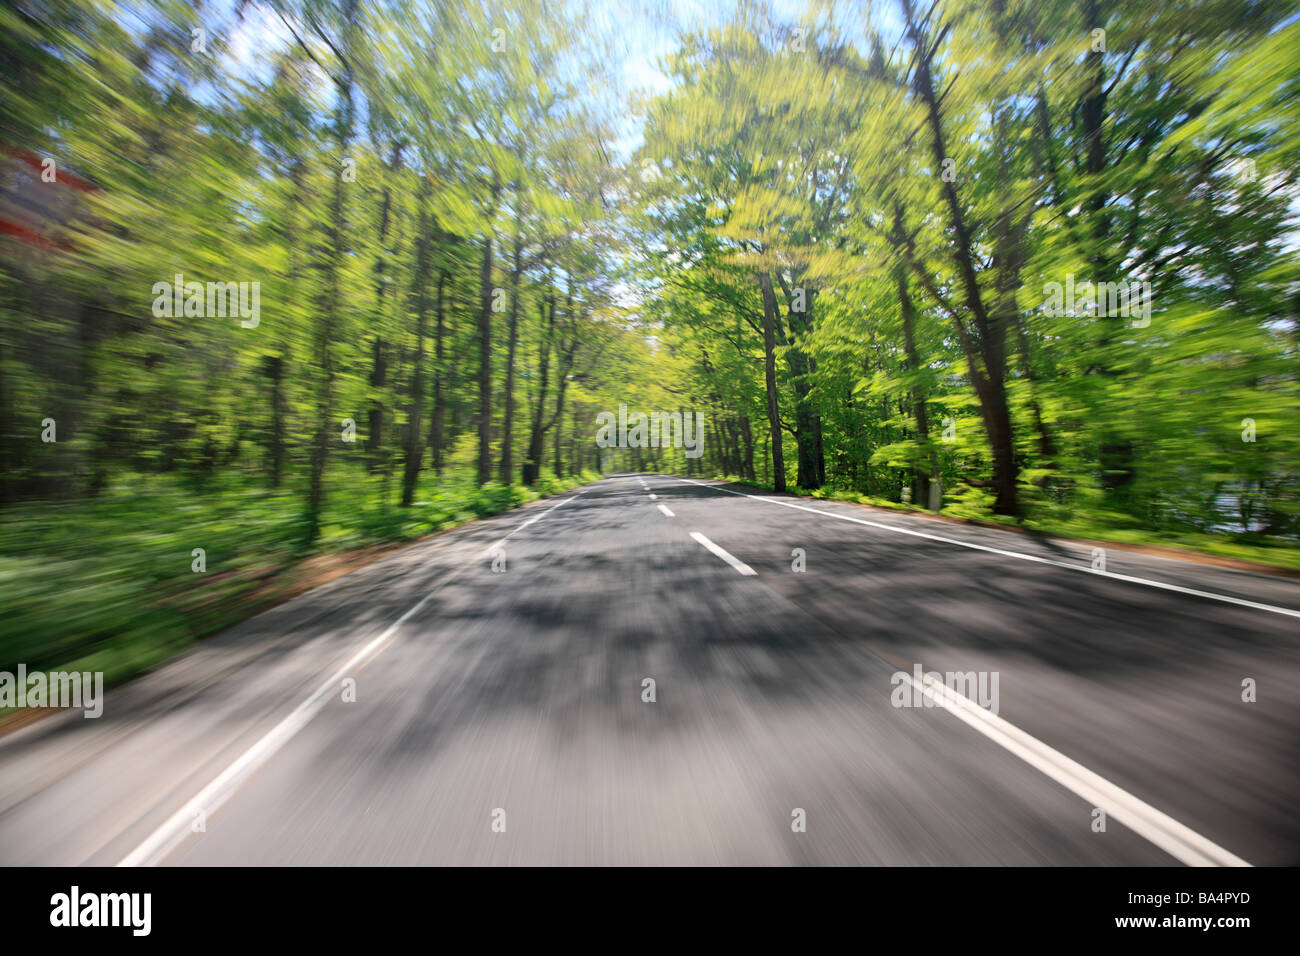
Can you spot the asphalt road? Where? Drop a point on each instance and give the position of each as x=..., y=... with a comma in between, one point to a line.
x=499, y=716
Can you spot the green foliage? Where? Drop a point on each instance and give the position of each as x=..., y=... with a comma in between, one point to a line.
x=109, y=583
x=925, y=176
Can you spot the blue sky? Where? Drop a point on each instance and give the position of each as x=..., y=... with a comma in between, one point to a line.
x=638, y=32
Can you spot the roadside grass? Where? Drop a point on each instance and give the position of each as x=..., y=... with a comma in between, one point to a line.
x=1058, y=522
x=106, y=584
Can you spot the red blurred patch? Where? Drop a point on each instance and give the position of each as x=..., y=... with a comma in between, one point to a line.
x=32, y=210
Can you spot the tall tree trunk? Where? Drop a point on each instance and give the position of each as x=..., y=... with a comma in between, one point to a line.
x=505, y=473
x=988, y=346
x=379, y=349
x=770, y=314
x=485, y=366
x=420, y=293
x=332, y=302
x=747, y=435
x=455, y=402
x=919, y=412
x=1116, y=450
x=559, y=430
x=575, y=444
x=275, y=372
x=537, y=431
x=805, y=423
x=811, y=470
x=438, y=413
x=277, y=364
x=378, y=381
x=1009, y=254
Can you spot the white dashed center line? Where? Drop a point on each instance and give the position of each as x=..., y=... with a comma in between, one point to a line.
x=731, y=559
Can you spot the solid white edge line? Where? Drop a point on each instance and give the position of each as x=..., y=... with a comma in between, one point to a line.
x=175, y=829
x=664, y=508
x=1179, y=841
x=1110, y=575
x=731, y=559
x=489, y=552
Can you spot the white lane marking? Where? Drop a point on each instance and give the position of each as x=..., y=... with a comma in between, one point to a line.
x=174, y=830
x=1181, y=842
x=664, y=509
x=1176, y=839
x=731, y=559
x=493, y=548
x=1112, y=575
x=653, y=496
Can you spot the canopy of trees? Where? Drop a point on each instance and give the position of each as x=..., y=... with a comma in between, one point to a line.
x=1029, y=256
x=1022, y=256
x=418, y=193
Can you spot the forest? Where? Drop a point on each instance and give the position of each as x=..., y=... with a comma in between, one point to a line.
x=286, y=283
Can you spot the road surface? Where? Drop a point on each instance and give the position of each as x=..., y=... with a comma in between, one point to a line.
x=501, y=714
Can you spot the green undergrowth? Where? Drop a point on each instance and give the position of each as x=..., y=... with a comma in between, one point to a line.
x=108, y=583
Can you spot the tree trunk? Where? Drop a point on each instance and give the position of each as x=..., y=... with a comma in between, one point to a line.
x=438, y=413
x=332, y=300
x=575, y=444
x=537, y=432
x=922, y=490
x=275, y=371
x=770, y=313
x=559, y=430
x=989, y=346
x=485, y=367
x=811, y=471
x=277, y=365
x=747, y=435
x=420, y=293
x=806, y=426
x=378, y=381
x=379, y=352
x=505, y=472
